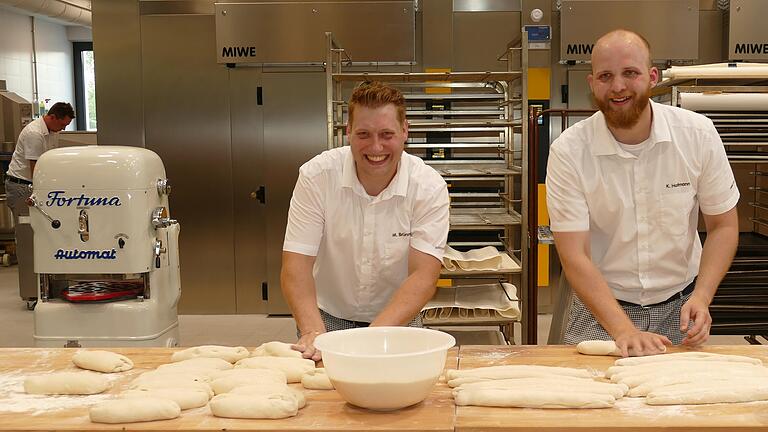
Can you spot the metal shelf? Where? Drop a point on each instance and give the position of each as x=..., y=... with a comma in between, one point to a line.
x=463, y=218
x=428, y=76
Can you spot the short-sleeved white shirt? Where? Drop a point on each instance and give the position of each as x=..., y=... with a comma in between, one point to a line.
x=641, y=211
x=362, y=242
x=34, y=140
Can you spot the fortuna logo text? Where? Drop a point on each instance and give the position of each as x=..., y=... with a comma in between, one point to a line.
x=57, y=198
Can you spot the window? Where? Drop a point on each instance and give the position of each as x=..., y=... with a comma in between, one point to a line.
x=85, y=86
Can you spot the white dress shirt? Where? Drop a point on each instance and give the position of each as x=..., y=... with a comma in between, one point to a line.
x=362, y=242
x=641, y=211
x=34, y=140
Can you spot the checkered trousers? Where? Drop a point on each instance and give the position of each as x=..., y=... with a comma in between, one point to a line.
x=333, y=323
x=663, y=319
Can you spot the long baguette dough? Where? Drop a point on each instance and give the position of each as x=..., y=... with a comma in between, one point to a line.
x=515, y=371
x=553, y=384
x=230, y=354
x=716, y=392
x=692, y=356
x=186, y=398
x=293, y=368
x=632, y=376
x=102, y=361
x=134, y=410
x=598, y=347
x=66, y=383
x=667, y=380
x=248, y=406
x=686, y=365
x=533, y=399
x=275, y=349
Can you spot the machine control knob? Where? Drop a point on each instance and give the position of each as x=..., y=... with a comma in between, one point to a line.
x=56, y=224
x=121, y=243
x=160, y=218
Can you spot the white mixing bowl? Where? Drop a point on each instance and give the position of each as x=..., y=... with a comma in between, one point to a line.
x=384, y=368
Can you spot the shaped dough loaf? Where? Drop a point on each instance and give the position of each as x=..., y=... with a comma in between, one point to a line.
x=227, y=383
x=266, y=389
x=275, y=349
x=230, y=354
x=293, y=368
x=523, y=398
x=66, y=383
x=598, y=347
x=186, y=398
x=172, y=383
x=688, y=356
x=134, y=410
x=102, y=361
x=249, y=406
x=316, y=379
x=198, y=363
x=551, y=383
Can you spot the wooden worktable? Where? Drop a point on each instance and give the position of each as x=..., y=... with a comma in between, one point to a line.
x=325, y=410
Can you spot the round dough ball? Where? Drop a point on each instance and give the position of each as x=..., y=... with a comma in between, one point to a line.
x=275, y=349
x=134, y=410
x=102, y=361
x=66, y=383
x=598, y=347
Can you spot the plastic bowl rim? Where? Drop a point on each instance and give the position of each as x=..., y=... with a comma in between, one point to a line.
x=445, y=347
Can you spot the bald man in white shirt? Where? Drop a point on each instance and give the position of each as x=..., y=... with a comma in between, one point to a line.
x=624, y=189
x=366, y=229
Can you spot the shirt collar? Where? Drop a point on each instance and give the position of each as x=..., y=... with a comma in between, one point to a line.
x=398, y=186
x=605, y=144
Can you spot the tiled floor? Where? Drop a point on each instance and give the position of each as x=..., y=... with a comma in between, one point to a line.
x=246, y=330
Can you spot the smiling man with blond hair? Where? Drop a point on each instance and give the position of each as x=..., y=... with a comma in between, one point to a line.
x=366, y=228
x=624, y=190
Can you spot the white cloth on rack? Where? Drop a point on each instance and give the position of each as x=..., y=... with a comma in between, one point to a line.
x=476, y=302
x=487, y=258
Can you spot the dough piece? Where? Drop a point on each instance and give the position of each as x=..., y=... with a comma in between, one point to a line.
x=66, y=383
x=293, y=368
x=226, y=384
x=172, y=383
x=515, y=371
x=199, y=363
x=102, y=361
x=728, y=391
x=230, y=354
x=275, y=349
x=666, y=380
x=636, y=374
x=266, y=389
x=274, y=375
x=316, y=380
x=598, y=347
x=254, y=406
x=186, y=398
x=533, y=398
x=134, y=410
x=689, y=356
x=677, y=365
x=553, y=384
x=172, y=374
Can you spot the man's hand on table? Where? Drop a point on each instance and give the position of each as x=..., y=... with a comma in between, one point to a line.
x=640, y=343
x=695, y=310
x=306, y=346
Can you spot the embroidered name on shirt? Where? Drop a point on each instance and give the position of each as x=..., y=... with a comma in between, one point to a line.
x=677, y=185
x=402, y=234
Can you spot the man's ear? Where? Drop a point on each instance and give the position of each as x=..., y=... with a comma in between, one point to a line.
x=654, y=73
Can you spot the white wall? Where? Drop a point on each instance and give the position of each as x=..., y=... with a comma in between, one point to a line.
x=55, y=73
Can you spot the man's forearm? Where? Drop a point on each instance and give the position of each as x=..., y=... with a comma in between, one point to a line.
x=716, y=257
x=298, y=287
x=587, y=282
x=408, y=300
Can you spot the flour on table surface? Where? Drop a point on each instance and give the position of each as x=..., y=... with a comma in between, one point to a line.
x=14, y=399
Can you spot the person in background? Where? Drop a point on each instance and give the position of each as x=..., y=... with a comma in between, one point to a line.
x=366, y=229
x=36, y=138
x=624, y=189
